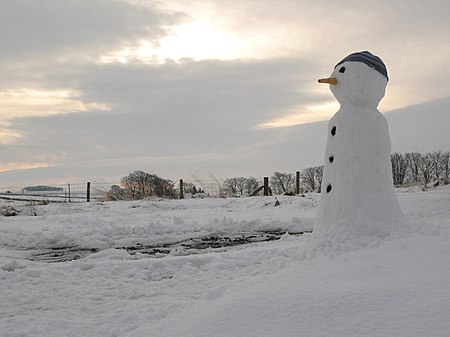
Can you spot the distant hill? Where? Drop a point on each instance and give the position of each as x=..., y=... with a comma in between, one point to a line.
x=422, y=128
x=416, y=128
x=42, y=188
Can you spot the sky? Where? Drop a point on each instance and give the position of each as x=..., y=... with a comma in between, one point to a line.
x=95, y=89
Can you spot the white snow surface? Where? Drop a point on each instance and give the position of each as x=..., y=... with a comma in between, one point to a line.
x=397, y=287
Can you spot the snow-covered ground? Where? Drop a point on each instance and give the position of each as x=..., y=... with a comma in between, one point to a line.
x=397, y=287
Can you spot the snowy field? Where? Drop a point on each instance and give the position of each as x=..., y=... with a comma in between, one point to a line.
x=254, y=280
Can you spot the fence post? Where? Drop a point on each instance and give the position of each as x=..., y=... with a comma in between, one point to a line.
x=266, y=186
x=181, y=189
x=68, y=185
x=88, y=192
x=297, y=182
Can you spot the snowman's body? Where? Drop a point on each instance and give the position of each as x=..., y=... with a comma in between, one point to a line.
x=358, y=204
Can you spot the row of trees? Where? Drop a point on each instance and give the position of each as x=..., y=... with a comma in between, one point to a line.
x=241, y=185
x=280, y=183
x=140, y=185
x=407, y=169
x=416, y=168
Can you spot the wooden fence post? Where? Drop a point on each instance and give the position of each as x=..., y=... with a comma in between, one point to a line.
x=68, y=186
x=297, y=182
x=181, y=189
x=88, y=192
x=266, y=186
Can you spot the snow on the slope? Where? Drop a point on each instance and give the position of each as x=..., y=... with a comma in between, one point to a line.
x=112, y=224
x=398, y=288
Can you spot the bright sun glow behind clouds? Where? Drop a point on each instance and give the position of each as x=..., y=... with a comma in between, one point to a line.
x=199, y=39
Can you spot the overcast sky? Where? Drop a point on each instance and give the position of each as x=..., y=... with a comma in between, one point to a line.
x=187, y=87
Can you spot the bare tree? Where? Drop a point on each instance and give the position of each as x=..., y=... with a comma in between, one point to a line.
x=136, y=184
x=426, y=166
x=235, y=186
x=116, y=193
x=139, y=184
x=419, y=167
x=318, y=173
x=439, y=162
x=308, y=179
x=399, y=168
x=445, y=163
x=240, y=185
x=282, y=182
x=311, y=178
x=251, y=184
x=413, y=160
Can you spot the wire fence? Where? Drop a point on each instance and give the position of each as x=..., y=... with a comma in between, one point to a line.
x=194, y=186
x=79, y=192
x=89, y=191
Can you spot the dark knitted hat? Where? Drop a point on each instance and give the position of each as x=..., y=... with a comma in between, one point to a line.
x=368, y=58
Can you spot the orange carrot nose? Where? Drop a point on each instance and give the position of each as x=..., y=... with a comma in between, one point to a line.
x=329, y=80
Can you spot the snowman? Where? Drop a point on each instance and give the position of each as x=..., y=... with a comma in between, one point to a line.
x=358, y=205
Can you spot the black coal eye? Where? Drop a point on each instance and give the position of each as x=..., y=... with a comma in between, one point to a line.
x=342, y=70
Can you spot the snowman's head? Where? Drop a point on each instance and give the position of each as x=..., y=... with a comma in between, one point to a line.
x=359, y=79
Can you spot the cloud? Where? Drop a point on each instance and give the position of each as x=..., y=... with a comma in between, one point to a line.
x=205, y=110
x=167, y=110
x=283, y=149
x=77, y=29
x=410, y=36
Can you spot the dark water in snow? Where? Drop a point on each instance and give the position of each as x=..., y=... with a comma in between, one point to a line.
x=186, y=247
